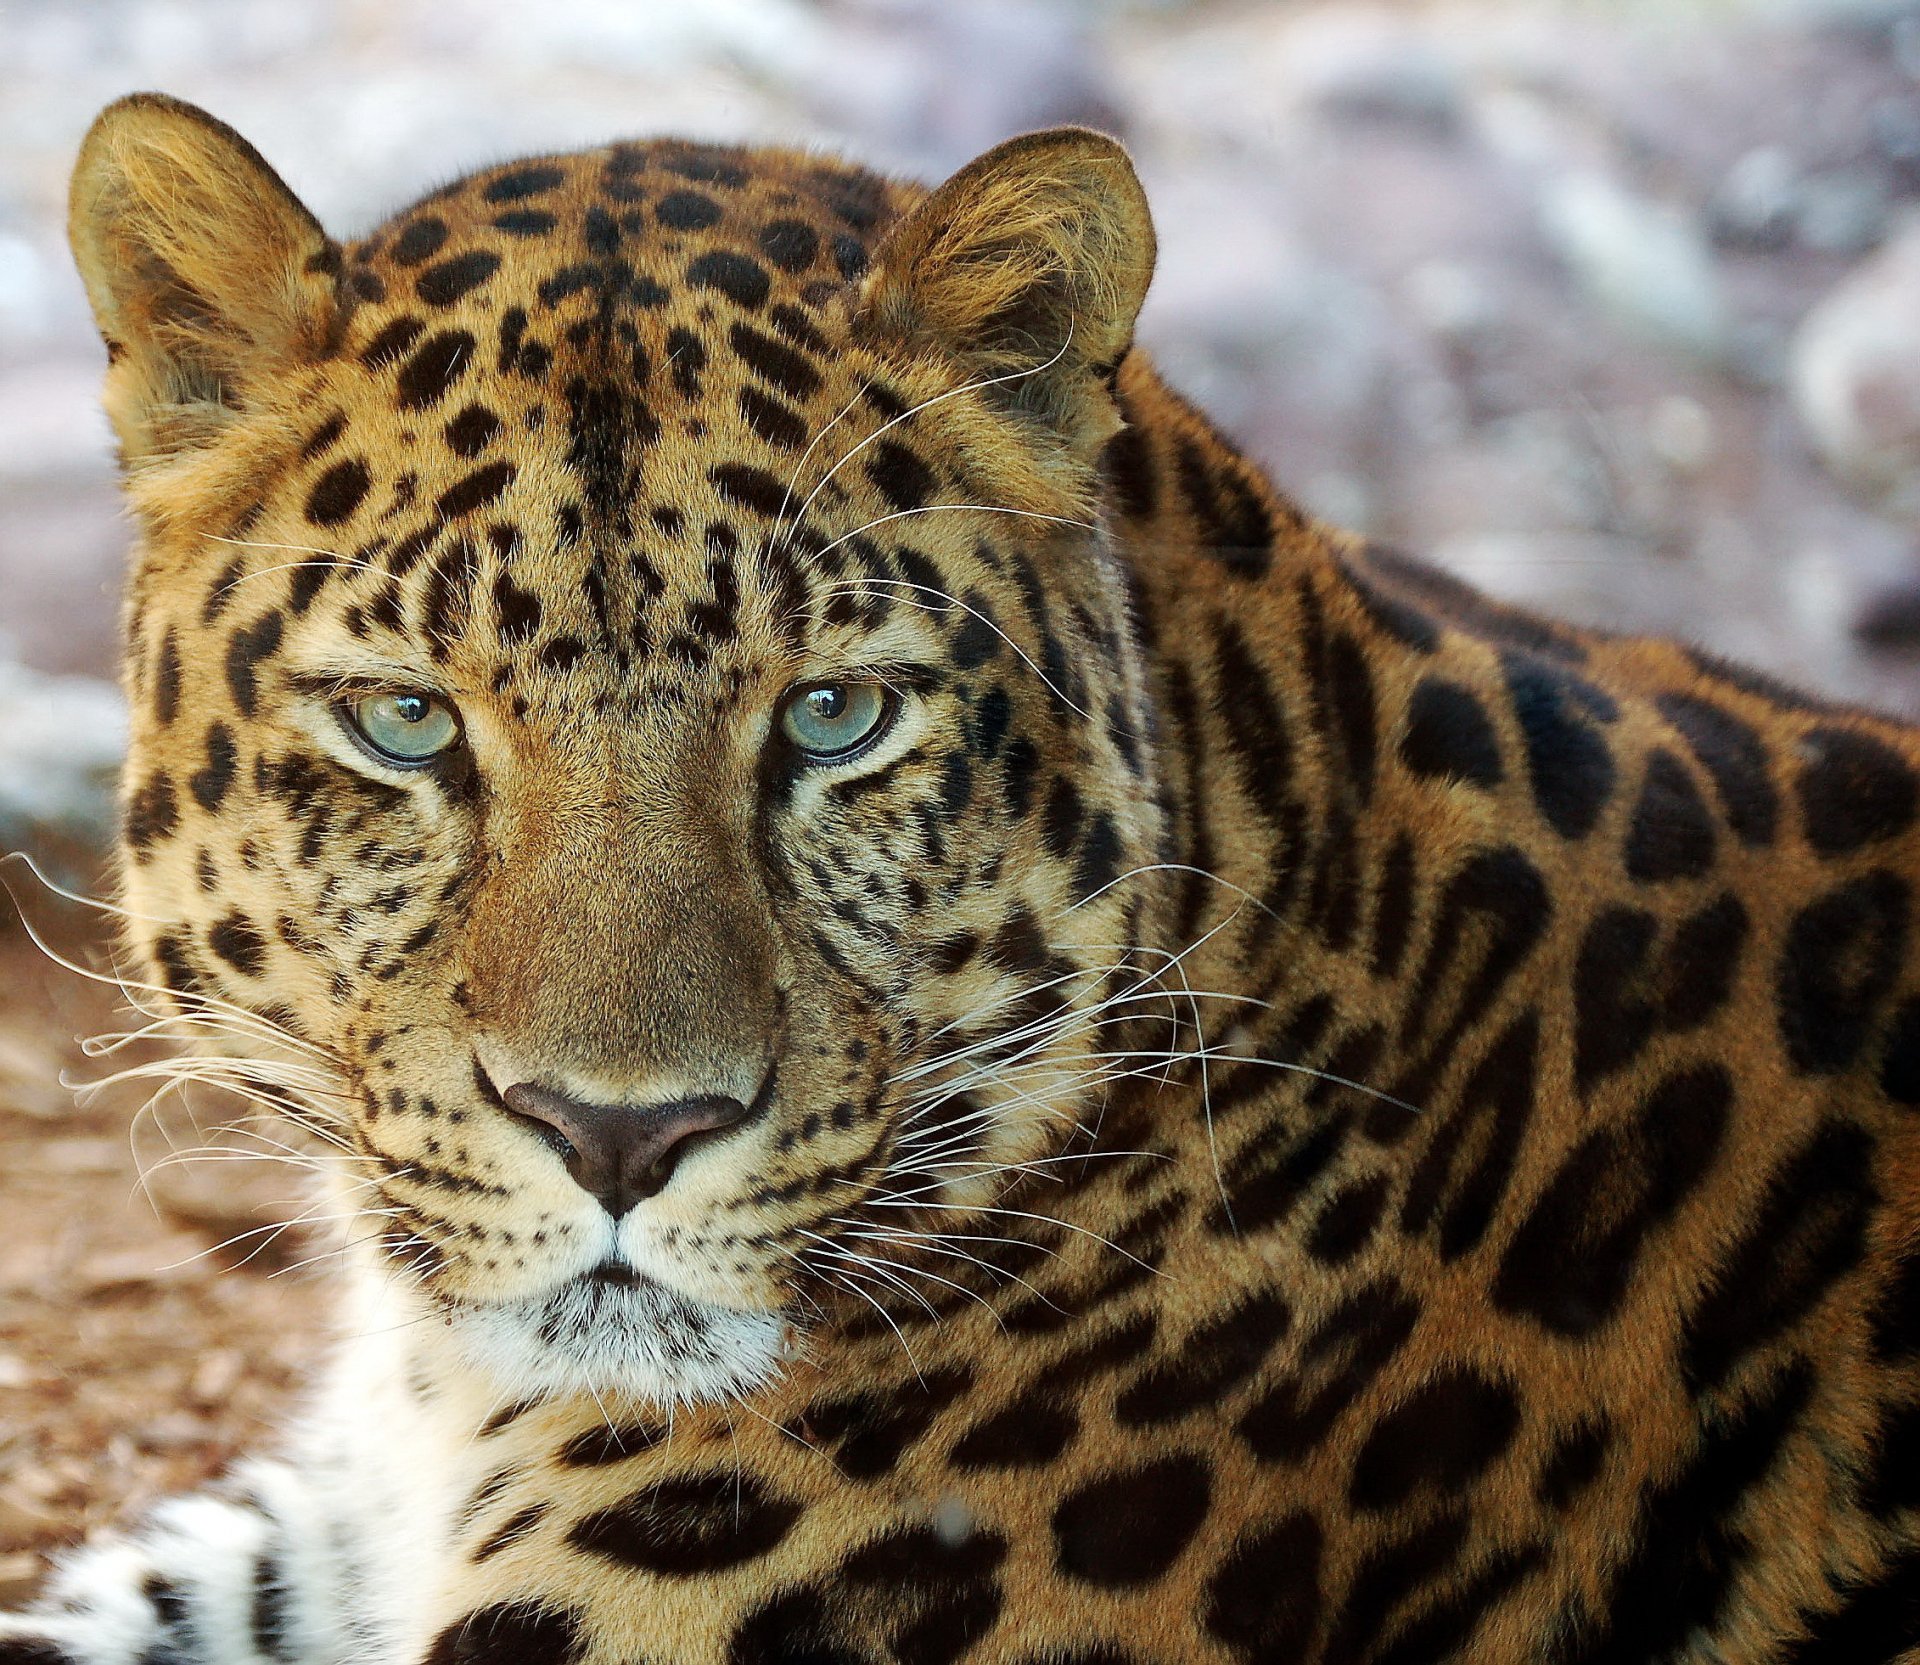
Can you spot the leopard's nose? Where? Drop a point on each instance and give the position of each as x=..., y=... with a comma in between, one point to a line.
x=623, y=1153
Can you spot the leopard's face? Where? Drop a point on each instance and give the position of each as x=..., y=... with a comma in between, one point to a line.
x=616, y=668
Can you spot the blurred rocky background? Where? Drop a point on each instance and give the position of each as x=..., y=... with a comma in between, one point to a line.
x=1611, y=306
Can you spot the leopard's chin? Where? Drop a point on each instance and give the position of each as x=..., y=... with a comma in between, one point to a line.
x=621, y=1336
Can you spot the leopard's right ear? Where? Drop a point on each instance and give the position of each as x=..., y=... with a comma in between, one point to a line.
x=208, y=277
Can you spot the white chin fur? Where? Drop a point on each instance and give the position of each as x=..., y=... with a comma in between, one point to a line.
x=640, y=1342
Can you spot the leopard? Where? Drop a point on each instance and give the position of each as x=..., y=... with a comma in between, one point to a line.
x=947, y=1031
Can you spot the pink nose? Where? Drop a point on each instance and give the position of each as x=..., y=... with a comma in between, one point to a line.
x=623, y=1153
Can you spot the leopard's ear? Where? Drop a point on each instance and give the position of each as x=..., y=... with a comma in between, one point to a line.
x=207, y=275
x=1029, y=264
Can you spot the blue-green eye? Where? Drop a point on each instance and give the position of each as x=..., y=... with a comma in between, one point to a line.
x=830, y=721
x=409, y=729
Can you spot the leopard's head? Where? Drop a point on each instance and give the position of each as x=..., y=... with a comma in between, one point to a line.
x=636, y=724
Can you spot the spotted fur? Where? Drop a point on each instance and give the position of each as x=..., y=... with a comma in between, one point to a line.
x=1299, y=1114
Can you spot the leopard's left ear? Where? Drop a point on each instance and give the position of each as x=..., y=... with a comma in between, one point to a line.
x=1029, y=264
x=208, y=277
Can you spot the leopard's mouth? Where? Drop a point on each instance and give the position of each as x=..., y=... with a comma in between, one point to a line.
x=616, y=1331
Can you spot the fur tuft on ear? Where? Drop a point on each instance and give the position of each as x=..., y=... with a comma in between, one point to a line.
x=206, y=274
x=1029, y=264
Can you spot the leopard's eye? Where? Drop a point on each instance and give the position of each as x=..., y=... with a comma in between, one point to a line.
x=407, y=729
x=831, y=721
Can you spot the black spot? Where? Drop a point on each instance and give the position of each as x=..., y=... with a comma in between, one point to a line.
x=391, y=343
x=1129, y=1527
x=602, y=1444
x=1097, y=865
x=1231, y=521
x=153, y=811
x=442, y=360
x=1264, y=1601
x=446, y=282
x=1674, y=1585
x=686, y=210
x=1701, y=961
x=690, y=1524
x=209, y=785
x=780, y=425
x=751, y=488
x=473, y=430
x=270, y=1616
x=1810, y=1232
x=1878, y=1619
x=324, y=437
x=1569, y=1265
x=796, y=1627
x=790, y=244
x=477, y=490
x=1841, y=957
x=1442, y=1629
x=1207, y=1365
x=1350, y=693
x=1450, y=736
x=1854, y=790
x=1462, y=1177
x=1574, y=1462
x=1128, y=468
x=248, y=647
x=509, y=1633
x=1347, y=1219
x=237, y=941
x=1393, y=614
x=1028, y=1433
x=1892, y=1485
x=525, y=222
x=739, y=278
x=974, y=643
x=774, y=361
x=705, y=164
x=869, y=1433
x=1900, y=1065
x=904, y=480
x=419, y=240
x=686, y=358
x=1896, y=1315
x=1671, y=835
x=850, y=256
x=1393, y=908
x=562, y=653
x=1349, y=1347
x=338, y=492
x=1256, y=727
x=1615, y=1002
x=939, y=1597
x=519, y=611
x=1265, y=1183
x=791, y=322
x=522, y=183
x=1568, y=761
x=1380, y=1586
x=1444, y=1435
x=1105, y=1351
x=1734, y=755
x=1096, y=1653
x=1486, y=923
x=166, y=679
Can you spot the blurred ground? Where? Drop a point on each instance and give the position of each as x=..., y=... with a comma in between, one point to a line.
x=132, y=1362
x=1612, y=306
